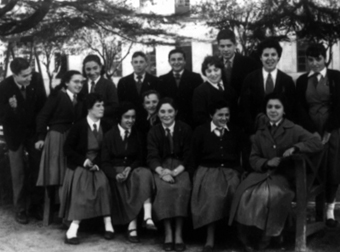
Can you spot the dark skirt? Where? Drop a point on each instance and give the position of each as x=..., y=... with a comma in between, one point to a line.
x=333, y=157
x=172, y=200
x=266, y=204
x=53, y=161
x=85, y=194
x=212, y=194
x=129, y=196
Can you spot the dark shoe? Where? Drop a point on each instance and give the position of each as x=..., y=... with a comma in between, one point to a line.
x=207, y=248
x=132, y=238
x=168, y=246
x=149, y=226
x=180, y=247
x=21, y=217
x=264, y=243
x=71, y=241
x=331, y=223
x=108, y=235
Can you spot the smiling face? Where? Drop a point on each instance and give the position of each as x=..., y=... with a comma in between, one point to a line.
x=227, y=48
x=221, y=117
x=150, y=103
x=167, y=114
x=316, y=64
x=97, y=110
x=139, y=65
x=128, y=119
x=269, y=59
x=75, y=84
x=24, y=77
x=213, y=74
x=92, y=70
x=177, y=62
x=274, y=110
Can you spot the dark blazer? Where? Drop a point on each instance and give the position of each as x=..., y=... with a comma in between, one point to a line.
x=19, y=123
x=127, y=90
x=114, y=153
x=108, y=90
x=303, y=110
x=242, y=66
x=253, y=94
x=206, y=94
x=75, y=147
x=181, y=94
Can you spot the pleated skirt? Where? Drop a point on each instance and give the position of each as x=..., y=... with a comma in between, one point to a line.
x=85, y=194
x=129, y=196
x=212, y=194
x=172, y=200
x=266, y=204
x=53, y=161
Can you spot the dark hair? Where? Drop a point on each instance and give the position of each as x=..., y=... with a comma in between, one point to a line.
x=19, y=64
x=91, y=99
x=139, y=54
x=177, y=50
x=226, y=34
x=166, y=100
x=274, y=96
x=211, y=61
x=123, y=108
x=269, y=43
x=65, y=79
x=149, y=92
x=94, y=58
x=315, y=50
x=213, y=107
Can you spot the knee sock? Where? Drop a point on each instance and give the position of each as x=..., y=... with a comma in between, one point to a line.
x=108, y=224
x=73, y=229
x=330, y=211
x=133, y=225
x=147, y=212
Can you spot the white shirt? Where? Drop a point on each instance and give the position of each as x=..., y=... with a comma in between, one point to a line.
x=70, y=94
x=135, y=77
x=179, y=73
x=122, y=131
x=213, y=127
x=265, y=76
x=323, y=73
x=215, y=85
x=91, y=122
x=276, y=124
x=231, y=60
x=90, y=83
x=171, y=128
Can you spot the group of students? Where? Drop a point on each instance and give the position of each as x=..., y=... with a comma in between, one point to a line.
x=176, y=146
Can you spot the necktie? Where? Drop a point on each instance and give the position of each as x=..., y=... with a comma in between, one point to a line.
x=93, y=84
x=171, y=143
x=227, y=66
x=315, y=79
x=126, y=135
x=139, y=83
x=177, y=78
x=23, y=91
x=219, y=132
x=220, y=87
x=269, y=84
x=273, y=129
x=74, y=101
x=95, y=130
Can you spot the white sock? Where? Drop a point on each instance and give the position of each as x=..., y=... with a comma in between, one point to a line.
x=73, y=229
x=147, y=210
x=330, y=211
x=133, y=225
x=108, y=224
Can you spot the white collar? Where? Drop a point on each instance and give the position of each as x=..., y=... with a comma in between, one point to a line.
x=135, y=76
x=213, y=127
x=215, y=85
x=231, y=60
x=273, y=74
x=70, y=94
x=122, y=131
x=180, y=73
x=323, y=73
x=95, y=81
x=91, y=122
x=171, y=128
x=276, y=124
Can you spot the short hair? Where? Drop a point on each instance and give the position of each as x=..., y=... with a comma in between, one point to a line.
x=177, y=50
x=274, y=96
x=226, y=34
x=19, y=64
x=123, y=108
x=150, y=92
x=94, y=58
x=91, y=99
x=65, y=79
x=167, y=100
x=213, y=107
x=211, y=61
x=269, y=43
x=315, y=50
x=139, y=54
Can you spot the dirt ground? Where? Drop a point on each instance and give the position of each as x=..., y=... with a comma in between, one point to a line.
x=34, y=237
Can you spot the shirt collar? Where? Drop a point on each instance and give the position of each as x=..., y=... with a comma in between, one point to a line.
x=70, y=94
x=95, y=81
x=171, y=128
x=323, y=72
x=122, y=131
x=19, y=86
x=91, y=122
x=276, y=124
x=180, y=73
x=213, y=126
x=231, y=60
x=273, y=73
x=215, y=85
x=135, y=76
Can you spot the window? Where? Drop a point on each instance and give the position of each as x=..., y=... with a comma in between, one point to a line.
x=187, y=49
x=151, y=54
x=182, y=6
x=301, y=47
